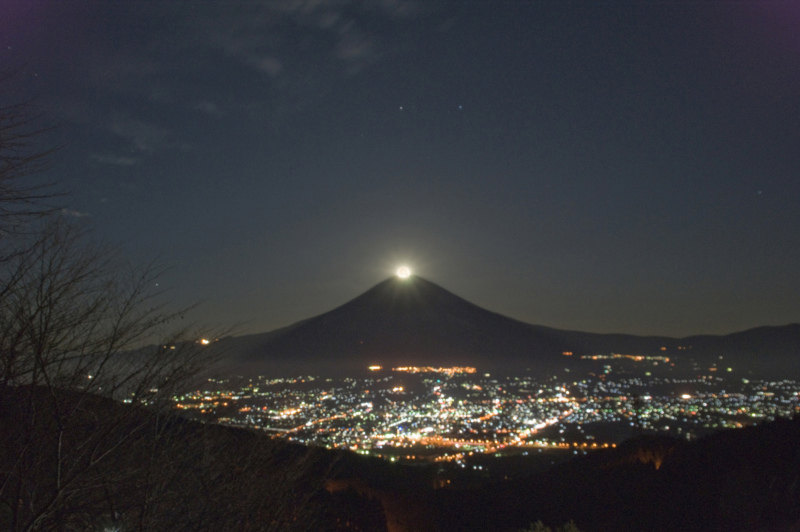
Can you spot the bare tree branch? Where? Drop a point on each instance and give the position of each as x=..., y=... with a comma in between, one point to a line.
x=21, y=200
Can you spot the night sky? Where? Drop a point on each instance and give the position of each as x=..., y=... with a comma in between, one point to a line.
x=622, y=166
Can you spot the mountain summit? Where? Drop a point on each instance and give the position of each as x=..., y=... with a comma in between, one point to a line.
x=402, y=322
x=412, y=321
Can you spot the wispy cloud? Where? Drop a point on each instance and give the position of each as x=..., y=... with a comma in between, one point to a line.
x=209, y=108
x=116, y=160
x=74, y=213
x=264, y=36
x=270, y=65
x=298, y=46
x=143, y=136
x=128, y=74
x=356, y=51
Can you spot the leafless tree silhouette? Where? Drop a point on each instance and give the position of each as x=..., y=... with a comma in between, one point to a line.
x=21, y=157
x=90, y=359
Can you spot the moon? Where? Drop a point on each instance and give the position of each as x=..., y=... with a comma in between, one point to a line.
x=403, y=272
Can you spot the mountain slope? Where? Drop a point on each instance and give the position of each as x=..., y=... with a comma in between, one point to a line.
x=404, y=322
x=416, y=322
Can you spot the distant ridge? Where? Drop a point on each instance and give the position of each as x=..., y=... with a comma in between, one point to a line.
x=416, y=322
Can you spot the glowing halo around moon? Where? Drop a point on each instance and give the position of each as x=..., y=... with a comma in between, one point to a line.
x=403, y=272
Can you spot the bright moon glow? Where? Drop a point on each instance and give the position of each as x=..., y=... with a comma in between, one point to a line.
x=403, y=272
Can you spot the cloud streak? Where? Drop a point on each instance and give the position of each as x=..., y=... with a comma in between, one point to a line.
x=115, y=160
x=263, y=36
x=143, y=137
x=74, y=213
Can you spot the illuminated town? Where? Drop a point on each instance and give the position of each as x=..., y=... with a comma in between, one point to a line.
x=445, y=414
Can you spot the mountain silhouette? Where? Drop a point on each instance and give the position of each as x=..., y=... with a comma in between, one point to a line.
x=401, y=322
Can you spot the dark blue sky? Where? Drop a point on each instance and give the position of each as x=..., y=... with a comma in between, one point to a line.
x=626, y=166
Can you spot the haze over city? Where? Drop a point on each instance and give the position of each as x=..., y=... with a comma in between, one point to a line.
x=608, y=167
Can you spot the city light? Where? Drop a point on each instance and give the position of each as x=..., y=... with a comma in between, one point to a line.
x=447, y=414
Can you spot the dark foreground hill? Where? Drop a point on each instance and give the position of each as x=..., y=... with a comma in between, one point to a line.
x=735, y=480
x=413, y=321
x=71, y=461
x=739, y=480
